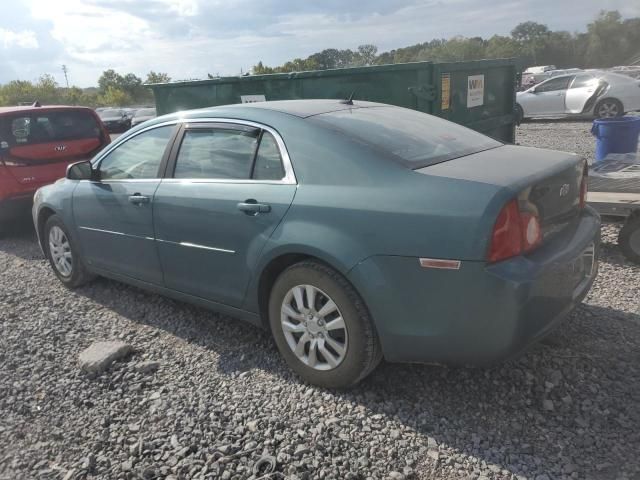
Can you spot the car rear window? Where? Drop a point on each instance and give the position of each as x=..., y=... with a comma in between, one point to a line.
x=47, y=127
x=415, y=139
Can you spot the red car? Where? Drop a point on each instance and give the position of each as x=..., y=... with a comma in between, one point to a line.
x=36, y=145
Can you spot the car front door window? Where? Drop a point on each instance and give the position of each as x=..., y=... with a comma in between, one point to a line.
x=137, y=158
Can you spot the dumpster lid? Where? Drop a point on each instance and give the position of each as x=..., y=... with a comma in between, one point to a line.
x=309, y=108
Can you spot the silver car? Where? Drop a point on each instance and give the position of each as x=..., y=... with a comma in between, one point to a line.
x=142, y=115
x=589, y=94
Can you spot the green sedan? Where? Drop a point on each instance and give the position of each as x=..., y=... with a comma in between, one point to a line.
x=352, y=231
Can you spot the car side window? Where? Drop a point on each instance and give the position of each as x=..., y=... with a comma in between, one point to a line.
x=268, y=165
x=216, y=153
x=560, y=83
x=137, y=158
x=583, y=80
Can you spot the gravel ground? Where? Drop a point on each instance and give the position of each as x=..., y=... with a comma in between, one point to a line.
x=220, y=399
x=566, y=135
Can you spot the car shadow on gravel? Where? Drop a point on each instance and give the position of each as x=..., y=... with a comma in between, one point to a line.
x=564, y=406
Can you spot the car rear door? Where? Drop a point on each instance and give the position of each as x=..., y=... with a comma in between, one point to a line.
x=548, y=97
x=43, y=143
x=231, y=184
x=114, y=212
x=584, y=88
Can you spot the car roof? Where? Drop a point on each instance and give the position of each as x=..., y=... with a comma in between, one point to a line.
x=45, y=108
x=298, y=108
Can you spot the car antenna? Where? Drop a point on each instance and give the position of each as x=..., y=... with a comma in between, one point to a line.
x=349, y=101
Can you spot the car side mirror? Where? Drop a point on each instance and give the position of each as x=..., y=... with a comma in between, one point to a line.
x=80, y=171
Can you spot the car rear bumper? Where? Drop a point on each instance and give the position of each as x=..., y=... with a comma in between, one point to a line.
x=480, y=313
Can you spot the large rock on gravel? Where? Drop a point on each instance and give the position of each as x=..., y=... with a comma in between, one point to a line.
x=99, y=355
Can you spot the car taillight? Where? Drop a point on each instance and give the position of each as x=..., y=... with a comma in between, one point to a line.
x=584, y=188
x=514, y=233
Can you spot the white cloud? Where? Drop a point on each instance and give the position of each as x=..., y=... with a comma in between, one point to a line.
x=190, y=38
x=21, y=39
x=184, y=8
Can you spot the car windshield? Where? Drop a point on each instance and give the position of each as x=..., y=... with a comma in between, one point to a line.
x=415, y=139
x=110, y=112
x=145, y=112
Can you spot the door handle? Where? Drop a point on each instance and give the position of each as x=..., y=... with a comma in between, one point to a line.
x=252, y=207
x=138, y=199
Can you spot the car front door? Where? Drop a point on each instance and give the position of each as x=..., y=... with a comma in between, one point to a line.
x=548, y=97
x=114, y=212
x=231, y=186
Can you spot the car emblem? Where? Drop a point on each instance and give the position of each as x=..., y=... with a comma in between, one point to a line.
x=60, y=148
x=564, y=190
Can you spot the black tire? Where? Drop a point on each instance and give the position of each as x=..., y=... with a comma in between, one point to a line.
x=363, y=352
x=519, y=113
x=610, y=103
x=629, y=239
x=79, y=274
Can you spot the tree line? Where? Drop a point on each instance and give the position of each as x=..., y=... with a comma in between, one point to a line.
x=113, y=89
x=609, y=40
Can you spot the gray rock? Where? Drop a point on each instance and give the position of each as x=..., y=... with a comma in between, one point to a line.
x=148, y=366
x=547, y=405
x=99, y=355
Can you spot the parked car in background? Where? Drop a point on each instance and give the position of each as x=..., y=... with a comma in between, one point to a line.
x=36, y=146
x=589, y=93
x=116, y=119
x=349, y=230
x=142, y=115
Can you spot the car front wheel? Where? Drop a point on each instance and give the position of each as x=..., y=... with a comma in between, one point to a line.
x=63, y=254
x=322, y=327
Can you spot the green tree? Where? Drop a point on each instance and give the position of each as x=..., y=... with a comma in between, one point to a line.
x=367, y=54
x=46, y=89
x=611, y=41
x=18, y=91
x=109, y=78
x=502, y=47
x=157, y=77
x=115, y=97
x=531, y=36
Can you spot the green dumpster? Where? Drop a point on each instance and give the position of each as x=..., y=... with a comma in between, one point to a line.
x=479, y=94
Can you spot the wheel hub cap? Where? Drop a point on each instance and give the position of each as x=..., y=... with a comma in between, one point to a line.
x=60, y=251
x=313, y=327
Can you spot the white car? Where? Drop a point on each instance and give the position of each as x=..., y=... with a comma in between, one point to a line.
x=589, y=93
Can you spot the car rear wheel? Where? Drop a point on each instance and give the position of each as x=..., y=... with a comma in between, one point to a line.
x=322, y=327
x=519, y=113
x=609, y=108
x=629, y=239
x=63, y=255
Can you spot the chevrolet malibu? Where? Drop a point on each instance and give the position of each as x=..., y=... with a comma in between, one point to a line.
x=352, y=231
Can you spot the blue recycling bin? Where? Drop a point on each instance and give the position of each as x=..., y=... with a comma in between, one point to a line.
x=615, y=135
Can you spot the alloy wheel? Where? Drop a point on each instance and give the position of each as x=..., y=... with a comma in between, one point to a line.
x=60, y=250
x=608, y=110
x=314, y=327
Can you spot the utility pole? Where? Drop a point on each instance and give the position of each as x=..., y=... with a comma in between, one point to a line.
x=66, y=78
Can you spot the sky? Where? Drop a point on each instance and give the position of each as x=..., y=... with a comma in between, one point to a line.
x=190, y=38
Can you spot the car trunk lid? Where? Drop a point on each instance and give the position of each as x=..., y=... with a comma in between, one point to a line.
x=545, y=182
